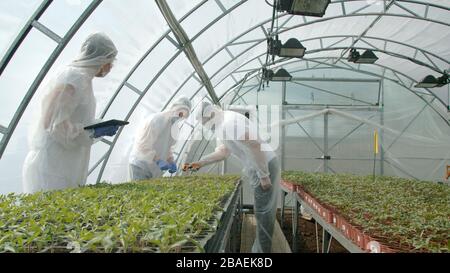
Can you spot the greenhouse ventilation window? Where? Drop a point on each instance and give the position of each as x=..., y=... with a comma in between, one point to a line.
x=430, y=81
x=291, y=49
x=368, y=57
x=315, y=8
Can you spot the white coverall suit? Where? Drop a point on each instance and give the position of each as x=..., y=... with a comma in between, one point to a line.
x=259, y=161
x=155, y=141
x=60, y=147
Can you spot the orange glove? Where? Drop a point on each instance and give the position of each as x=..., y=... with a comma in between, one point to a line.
x=195, y=166
x=186, y=167
x=191, y=166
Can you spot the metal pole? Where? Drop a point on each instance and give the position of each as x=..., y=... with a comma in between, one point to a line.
x=295, y=226
x=23, y=34
x=283, y=128
x=224, y=167
x=382, y=131
x=326, y=238
x=325, y=142
x=283, y=205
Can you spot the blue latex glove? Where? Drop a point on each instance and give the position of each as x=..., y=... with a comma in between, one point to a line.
x=163, y=165
x=172, y=167
x=105, y=131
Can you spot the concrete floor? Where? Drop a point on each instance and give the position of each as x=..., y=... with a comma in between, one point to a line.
x=279, y=245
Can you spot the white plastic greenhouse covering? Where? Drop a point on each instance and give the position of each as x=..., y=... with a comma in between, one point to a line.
x=410, y=38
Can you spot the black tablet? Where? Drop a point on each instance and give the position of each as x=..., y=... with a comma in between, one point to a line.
x=112, y=122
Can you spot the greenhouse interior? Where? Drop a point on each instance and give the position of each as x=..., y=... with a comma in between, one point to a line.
x=338, y=111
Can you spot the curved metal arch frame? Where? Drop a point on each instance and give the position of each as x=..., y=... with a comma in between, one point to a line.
x=325, y=65
x=328, y=66
x=251, y=29
x=297, y=26
x=9, y=131
x=413, y=58
x=395, y=72
x=61, y=44
x=262, y=40
x=251, y=60
x=331, y=66
x=105, y=158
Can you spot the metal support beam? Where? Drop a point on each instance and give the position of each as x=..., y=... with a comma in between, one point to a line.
x=400, y=169
x=316, y=107
x=326, y=241
x=325, y=142
x=48, y=64
x=229, y=53
x=107, y=142
x=283, y=205
x=260, y=40
x=283, y=127
x=350, y=133
x=431, y=66
x=158, y=74
x=220, y=5
x=407, y=126
x=175, y=43
x=332, y=93
x=3, y=130
x=360, y=70
x=295, y=231
x=381, y=99
x=133, y=88
x=406, y=9
x=331, y=229
x=23, y=34
x=183, y=39
x=303, y=79
x=304, y=130
x=97, y=164
x=287, y=29
x=47, y=32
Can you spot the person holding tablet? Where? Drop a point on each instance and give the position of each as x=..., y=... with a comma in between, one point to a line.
x=60, y=145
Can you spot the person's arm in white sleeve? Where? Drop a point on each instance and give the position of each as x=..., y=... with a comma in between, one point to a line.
x=221, y=153
x=58, y=109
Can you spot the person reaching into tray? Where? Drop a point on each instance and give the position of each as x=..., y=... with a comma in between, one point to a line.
x=260, y=163
x=152, y=149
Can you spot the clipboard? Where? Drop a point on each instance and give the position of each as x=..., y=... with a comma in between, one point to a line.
x=112, y=122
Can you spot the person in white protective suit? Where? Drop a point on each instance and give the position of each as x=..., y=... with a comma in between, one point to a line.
x=235, y=137
x=59, y=144
x=152, y=151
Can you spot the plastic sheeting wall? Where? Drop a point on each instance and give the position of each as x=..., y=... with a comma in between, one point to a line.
x=414, y=142
x=229, y=38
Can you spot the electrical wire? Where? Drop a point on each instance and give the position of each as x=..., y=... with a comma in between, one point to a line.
x=270, y=33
